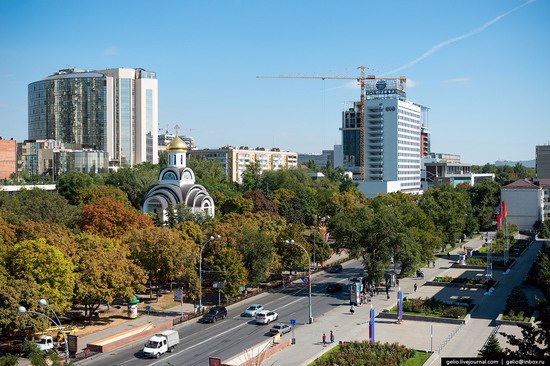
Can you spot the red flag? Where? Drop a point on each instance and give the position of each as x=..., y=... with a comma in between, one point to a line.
x=498, y=222
x=503, y=210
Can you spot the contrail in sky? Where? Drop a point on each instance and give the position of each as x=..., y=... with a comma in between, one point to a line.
x=439, y=46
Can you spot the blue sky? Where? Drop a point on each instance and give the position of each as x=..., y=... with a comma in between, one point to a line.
x=482, y=66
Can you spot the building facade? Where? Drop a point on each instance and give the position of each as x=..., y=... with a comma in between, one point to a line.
x=113, y=110
x=384, y=154
x=441, y=168
x=527, y=202
x=8, y=158
x=235, y=160
x=543, y=161
x=326, y=158
x=51, y=159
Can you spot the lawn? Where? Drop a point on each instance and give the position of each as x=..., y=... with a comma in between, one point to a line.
x=366, y=353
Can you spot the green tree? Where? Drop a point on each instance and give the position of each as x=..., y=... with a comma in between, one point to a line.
x=52, y=271
x=40, y=205
x=104, y=272
x=517, y=301
x=209, y=173
x=484, y=197
x=89, y=195
x=163, y=255
x=228, y=266
x=134, y=181
x=251, y=177
x=492, y=349
x=70, y=184
x=236, y=204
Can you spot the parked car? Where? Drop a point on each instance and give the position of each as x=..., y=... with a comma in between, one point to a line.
x=266, y=317
x=280, y=328
x=253, y=309
x=215, y=313
x=335, y=269
x=333, y=288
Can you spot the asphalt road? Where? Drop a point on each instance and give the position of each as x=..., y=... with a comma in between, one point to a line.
x=231, y=336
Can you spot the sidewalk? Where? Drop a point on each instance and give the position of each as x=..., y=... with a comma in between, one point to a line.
x=347, y=327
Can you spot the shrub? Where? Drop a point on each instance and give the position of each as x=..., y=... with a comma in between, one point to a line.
x=455, y=312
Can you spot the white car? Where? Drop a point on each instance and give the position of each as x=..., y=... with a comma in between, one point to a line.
x=266, y=317
x=252, y=310
x=280, y=328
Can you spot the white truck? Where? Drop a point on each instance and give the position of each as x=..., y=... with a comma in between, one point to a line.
x=45, y=343
x=161, y=343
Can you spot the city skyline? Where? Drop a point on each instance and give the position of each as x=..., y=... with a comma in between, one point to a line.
x=478, y=66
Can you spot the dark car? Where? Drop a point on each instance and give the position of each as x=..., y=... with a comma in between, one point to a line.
x=215, y=313
x=335, y=269
x=334, y=288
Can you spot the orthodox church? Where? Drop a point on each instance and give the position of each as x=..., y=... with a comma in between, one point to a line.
x=177, y=185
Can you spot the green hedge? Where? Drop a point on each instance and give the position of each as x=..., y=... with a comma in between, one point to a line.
x=366, y=353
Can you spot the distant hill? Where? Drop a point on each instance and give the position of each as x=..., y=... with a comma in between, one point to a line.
x=526, y=163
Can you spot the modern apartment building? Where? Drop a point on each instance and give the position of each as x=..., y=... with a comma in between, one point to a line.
x=384, y=154
x=235, y=160
x=113, y=110
x=543, y=161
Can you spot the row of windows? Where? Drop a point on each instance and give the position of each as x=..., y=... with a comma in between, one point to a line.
x=408, y=125
x=402, y=148
x=415, y=166
x=407, y=160
x=407, y=119
x=415, y=138
x=408, y=112
x=401, y=142
x=408, y=154
x=409, y=184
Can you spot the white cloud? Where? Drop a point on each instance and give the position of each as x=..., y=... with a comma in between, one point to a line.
x=110, y=51
x=448, y=42
x=458, y=80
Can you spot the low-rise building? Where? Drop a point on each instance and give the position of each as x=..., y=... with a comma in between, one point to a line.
x=440, y=168
x=8, y=158
x=235, y=160
x=527, y=202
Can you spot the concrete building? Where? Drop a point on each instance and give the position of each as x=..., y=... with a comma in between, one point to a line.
x=235, y=160
x=440, y=168
x=527, y=201
x=113, y=110
x=177, y=186
x=8, y=158
x=51, y=159
x=165, y=138
x=384, y=154
x=321, y=160
x=543, y=161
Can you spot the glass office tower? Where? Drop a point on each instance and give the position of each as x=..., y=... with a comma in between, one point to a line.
x=113, y=110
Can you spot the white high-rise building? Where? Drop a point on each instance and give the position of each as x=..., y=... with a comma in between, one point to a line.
x=384, y=154
x=113, y=110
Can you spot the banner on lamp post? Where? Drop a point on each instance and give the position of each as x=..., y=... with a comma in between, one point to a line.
x=399, y=305
x=371, y=325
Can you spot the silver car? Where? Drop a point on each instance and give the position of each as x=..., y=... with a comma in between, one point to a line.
x=280, y=328
x=253, y=309
x=266, y=317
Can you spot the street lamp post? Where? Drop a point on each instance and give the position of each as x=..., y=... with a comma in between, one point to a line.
x=309, y=276
x=43, y=302
x=200, y=267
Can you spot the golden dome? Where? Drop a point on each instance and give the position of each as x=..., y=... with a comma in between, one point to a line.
x=176, y=144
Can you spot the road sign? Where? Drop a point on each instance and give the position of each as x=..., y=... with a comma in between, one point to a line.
x=293, y=322
x=148, y=308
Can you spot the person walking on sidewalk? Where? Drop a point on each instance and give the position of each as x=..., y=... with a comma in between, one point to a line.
x=324, y=339
x=415, y=287
x=434, y=263
x=331, y=337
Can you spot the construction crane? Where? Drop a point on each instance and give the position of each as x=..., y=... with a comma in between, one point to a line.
x=362, y=80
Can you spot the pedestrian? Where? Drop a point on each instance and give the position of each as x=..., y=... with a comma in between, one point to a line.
x=324, y=339
x=415, y=287
x=397, y=282
x=448, y=255
x=352, y=309
x=434, y=263
x=331, y=337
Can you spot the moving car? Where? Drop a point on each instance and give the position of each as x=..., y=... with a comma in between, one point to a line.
x=280, y=328
x=253, y=309
x=266, y=317
x=335, y=269
x=333, y=288
x=215, y=313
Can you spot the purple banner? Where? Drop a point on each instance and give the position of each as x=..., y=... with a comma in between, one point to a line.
x=399, y=305
x=371, y=325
